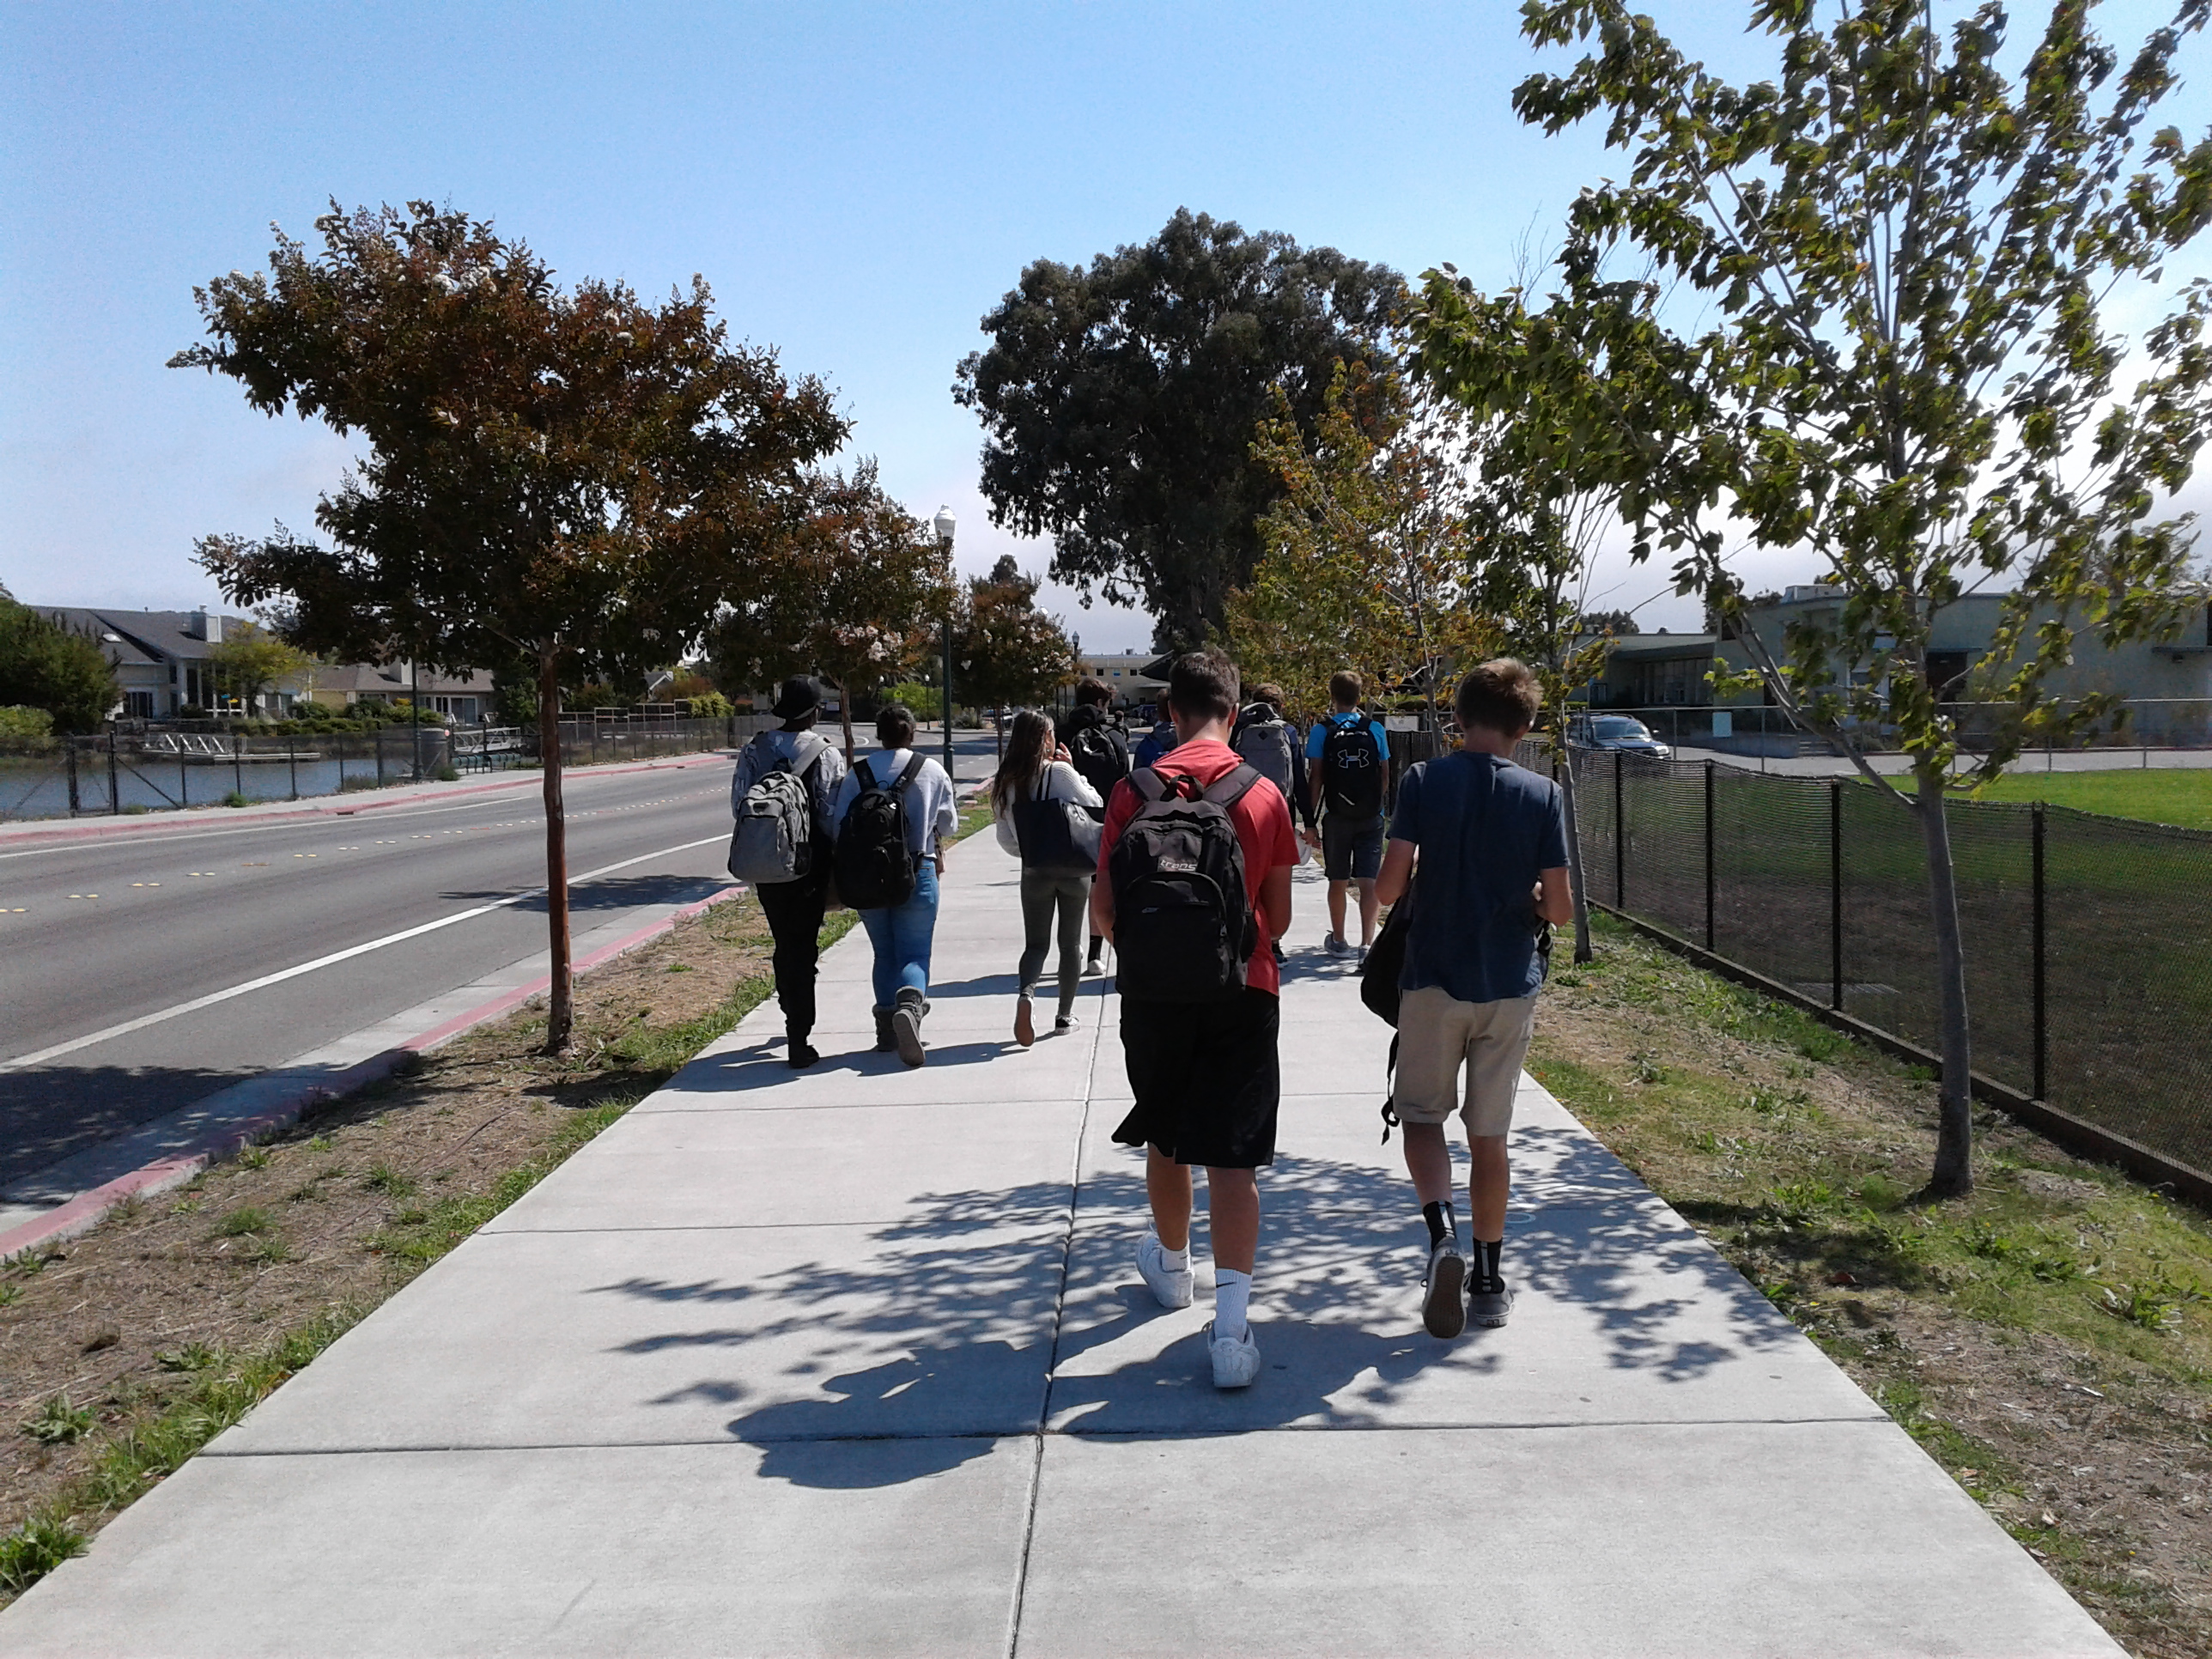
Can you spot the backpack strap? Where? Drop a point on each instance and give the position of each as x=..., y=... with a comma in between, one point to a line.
x=814, y=759
x=912, y=767
x=866, y=774
x=1229, y=787
x=1149, y=784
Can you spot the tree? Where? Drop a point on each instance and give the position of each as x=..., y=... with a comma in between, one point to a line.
x=1118, y=403
x=854, y=591
x=1558, y=402
x=1367, y=553
x=44, y=666
x=1620, y=624
x=1908, y=244
x=251, y=664
x=576, y=476
x=1008, y=651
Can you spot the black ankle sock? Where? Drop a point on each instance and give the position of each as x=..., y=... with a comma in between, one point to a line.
x=1443, y=1223
x=1485, y=1265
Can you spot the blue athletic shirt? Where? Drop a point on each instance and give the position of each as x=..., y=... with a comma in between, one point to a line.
x=1487, y=828
x=1319, y=735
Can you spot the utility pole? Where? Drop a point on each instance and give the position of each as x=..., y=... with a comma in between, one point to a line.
x=943, y=525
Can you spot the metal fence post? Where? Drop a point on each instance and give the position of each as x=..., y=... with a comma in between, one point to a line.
x=237, y=764
x=114, y=789
x=1620, y=836
x=2042, y=1039
x=68, y=758
x=1709, y=855
x=380, y=757
x=292, y=759
x=1836, y=892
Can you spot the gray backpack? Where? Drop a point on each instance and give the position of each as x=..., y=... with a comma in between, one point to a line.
x=1265, y=741
x=774, y=840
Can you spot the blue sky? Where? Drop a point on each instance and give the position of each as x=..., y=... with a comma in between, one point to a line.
x=859, y=184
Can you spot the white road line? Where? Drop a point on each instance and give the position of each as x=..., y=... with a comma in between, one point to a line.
x=350, y=952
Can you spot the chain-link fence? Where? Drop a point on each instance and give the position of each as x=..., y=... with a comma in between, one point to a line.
x=2089, y=938
x=155, y=770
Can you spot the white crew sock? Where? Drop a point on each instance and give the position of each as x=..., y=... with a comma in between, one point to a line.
x=1232, y=1296
x=1175, y=1260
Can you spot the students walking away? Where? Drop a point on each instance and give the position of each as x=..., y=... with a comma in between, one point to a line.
x=1099, y=750
x=781, y=798
x=1481, y=845
x=894, y=812
x=1348, y=763
x=1043, y=809
x=1195, y=890
x=1267, y=741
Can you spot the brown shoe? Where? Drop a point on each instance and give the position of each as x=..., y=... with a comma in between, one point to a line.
x=1025, y=1021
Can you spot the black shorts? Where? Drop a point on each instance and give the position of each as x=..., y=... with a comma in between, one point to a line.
x=1351, y=850
x=1206, y=1078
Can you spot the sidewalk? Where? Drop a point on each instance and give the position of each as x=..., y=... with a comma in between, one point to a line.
x=855, y=1361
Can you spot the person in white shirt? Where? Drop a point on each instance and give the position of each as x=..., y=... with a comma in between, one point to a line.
x=1036, y=770
x=901, y=933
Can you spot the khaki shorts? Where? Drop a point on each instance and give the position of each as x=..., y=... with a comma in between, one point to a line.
x=1437, y=1034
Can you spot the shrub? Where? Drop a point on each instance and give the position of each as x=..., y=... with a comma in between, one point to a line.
x=20, y=720
x=57, y=1423
x=35, y=1549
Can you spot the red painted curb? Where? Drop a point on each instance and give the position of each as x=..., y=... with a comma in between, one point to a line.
x=141, y=823
x=86, y=1210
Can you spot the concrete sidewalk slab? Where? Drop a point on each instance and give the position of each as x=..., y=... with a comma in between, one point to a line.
x=1664, y=1542
x=820, y=1424
x=798, y=1167
x=843, y=1547
x=662, y=1337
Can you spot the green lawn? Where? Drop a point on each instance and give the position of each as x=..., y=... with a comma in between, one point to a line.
x=2178, y=796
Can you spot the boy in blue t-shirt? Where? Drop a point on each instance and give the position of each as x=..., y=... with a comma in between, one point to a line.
x=1491, y=839
x=1348, y=773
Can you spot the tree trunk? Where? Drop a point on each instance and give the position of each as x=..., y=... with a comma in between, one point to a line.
x=1954, y=1174
x=1582, y=949
x=845, y=719
x=560, y=1011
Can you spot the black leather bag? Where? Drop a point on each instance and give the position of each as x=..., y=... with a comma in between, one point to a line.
x=1058, y=837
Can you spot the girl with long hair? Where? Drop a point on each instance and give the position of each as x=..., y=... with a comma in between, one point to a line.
x=1036, y=770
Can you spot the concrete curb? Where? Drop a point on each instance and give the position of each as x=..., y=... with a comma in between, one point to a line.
x=65, y=829
x=87, y=1209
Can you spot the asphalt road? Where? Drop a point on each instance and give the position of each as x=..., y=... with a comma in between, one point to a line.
x=94, y=935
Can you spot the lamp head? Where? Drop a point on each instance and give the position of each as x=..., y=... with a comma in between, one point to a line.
x=943, y=524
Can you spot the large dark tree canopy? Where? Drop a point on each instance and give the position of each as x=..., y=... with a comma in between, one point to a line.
x=1118, y=403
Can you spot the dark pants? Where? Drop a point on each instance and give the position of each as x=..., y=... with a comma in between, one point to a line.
x=794, y=909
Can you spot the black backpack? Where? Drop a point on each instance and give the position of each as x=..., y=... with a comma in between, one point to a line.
x=1097, y=759
x=1183, y=922
x=875, y=868
x=1351, y=770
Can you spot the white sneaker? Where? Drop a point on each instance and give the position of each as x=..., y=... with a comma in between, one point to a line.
x=1170, y=1287
x=1236, y=1362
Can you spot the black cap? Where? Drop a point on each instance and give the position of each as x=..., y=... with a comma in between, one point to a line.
x=798, y=695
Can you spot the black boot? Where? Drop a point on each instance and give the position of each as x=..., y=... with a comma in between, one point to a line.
x=886, y=1039
x=798, y=1051
x=906, y=1025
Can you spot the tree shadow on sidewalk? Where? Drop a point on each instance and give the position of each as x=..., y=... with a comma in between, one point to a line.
x=978, y=1317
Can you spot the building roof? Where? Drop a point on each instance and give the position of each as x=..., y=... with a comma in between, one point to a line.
x=136, y=638
x=392, y=679
x=1658, y=648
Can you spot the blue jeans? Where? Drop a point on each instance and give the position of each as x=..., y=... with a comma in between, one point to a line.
x=900, y=935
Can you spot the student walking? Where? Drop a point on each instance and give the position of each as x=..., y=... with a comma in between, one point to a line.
x=1194, y=863
x=894, y=812
x=1267, y=741
x=1098, y=748
x=1348, y=758
x=1478, y=848
x=781, y=798
x=1042, y=810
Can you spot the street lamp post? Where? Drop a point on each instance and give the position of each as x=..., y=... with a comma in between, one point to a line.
x=942, y=524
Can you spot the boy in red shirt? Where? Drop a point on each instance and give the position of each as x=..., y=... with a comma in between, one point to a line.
x=1204, y=1071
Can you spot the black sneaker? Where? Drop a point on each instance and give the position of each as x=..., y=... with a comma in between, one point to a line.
x=1443, y=1302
